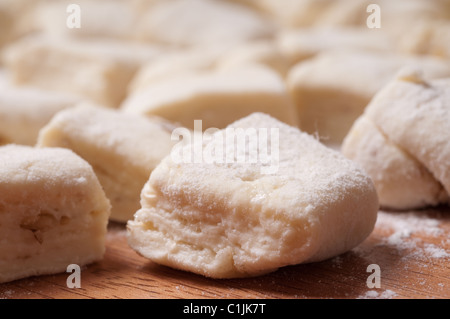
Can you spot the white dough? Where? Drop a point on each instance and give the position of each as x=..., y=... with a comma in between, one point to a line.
x=202, y=22
x=217, y=97
x=332, y=89
x=53, y=212
x=401, y=181
x=415, y=114
x=96, y=69
x=122, y=148
x=25, y=110
x=234, y=220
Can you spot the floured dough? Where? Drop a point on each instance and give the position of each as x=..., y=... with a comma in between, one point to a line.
x=215, y=97
x=402, y=141
x=235, y=219
x=24, y=111
x=401, y=181
x=332, y=89
x=415, y=114
x=122, y=148
x=53, y=212
x=99, y=70
x=202, y=22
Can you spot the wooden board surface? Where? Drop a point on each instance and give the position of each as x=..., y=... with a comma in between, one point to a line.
x=412, y=250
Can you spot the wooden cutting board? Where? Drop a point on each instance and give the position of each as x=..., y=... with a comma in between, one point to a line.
x=411, y=249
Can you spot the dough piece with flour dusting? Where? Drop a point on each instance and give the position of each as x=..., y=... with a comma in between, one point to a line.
x=234, y=219
x=413, y=117
x=401, y=181
x=122, y=148
x=53, y=212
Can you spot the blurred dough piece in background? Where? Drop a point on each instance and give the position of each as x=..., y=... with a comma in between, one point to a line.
x=216, y=97
x=99, y=70
x=297, y=45
x=432, y=38
x=25, y=110
x=122, y=148
x=184, y=23
x=100, y=19
x=258, y=52
x=332, y=89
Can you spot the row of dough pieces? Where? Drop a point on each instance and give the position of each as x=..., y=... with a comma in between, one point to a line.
x=177, y=201
x=202, y=22
x=323, y=94
x=218, y=220
x=313, y=85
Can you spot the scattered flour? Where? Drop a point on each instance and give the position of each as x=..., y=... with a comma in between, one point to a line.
x=404, y=227
x=372, y=294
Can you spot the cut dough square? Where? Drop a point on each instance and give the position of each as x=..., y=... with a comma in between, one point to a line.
x=233, y=219
x=122, y=148
x=332, y=89
x=216, y=97
x=99, y=70
x=53, y=212
x=25, y=110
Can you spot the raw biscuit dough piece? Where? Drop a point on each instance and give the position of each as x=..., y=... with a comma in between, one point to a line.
x=415, y=114
x=402, y=183
x=216, y=97
x=332, y=89
x=122, y=149
x=233, y=219
x=96, y=69
x=202, y=22
x=25, y=110
x=53, y=212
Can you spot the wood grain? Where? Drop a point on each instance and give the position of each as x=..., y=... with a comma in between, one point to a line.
x=412, y=250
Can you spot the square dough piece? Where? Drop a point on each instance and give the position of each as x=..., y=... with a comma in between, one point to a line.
x=217, y=97
x=233, y=219
x=25, y=110
x=53, y=212
x=96, y=69
x=332, y=89
x=122, y=148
